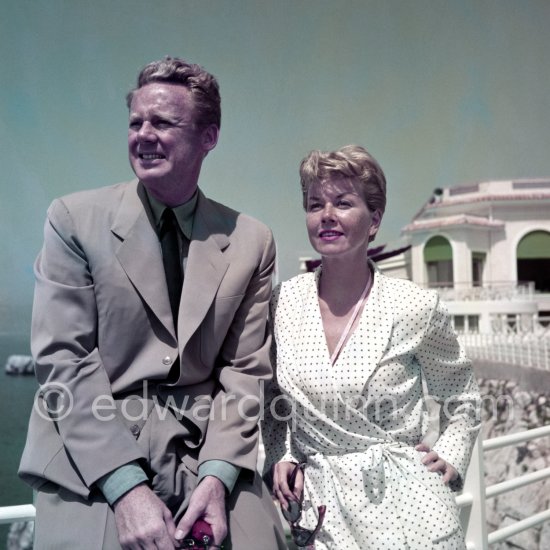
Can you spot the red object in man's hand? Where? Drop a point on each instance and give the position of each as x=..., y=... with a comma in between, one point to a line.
x=201, y=536
x=202, y=532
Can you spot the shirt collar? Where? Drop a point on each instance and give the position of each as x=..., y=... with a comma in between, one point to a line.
x=185, y=213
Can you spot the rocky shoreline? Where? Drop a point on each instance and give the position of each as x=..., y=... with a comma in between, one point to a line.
x=19, y=364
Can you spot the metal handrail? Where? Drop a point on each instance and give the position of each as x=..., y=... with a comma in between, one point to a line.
x=519, y=437
x=516, y=483
x=464, y=499
x=518, y=527
x=23, y=512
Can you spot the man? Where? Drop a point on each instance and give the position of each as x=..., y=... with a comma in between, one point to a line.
x=146, y=420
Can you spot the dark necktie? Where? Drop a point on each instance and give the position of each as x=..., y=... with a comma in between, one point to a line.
x=172, y=260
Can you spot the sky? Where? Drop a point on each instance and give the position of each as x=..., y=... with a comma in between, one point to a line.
x=441, y=92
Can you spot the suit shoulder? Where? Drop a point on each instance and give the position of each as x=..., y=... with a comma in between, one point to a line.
x=229, y=213
x=237, y=226
x=90, y=199
x=247, y=221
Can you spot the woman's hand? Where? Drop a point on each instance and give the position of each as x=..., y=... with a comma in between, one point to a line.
x=434, y=463
x=282, y=472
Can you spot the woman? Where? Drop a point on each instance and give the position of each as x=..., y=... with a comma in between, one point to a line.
x=373, y=397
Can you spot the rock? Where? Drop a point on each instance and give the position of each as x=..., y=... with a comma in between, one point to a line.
x=19, y=364
x=20, y=536
x=523, y=398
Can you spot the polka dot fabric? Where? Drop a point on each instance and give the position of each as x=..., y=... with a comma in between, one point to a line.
x=356, y=422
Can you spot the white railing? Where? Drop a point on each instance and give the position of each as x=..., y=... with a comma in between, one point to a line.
x=471, y=501
x=11, y=514
x=495, y=290
x=515, y=349
x=475, y=493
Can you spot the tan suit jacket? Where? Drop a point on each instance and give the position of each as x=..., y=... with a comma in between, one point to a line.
x=102, y=325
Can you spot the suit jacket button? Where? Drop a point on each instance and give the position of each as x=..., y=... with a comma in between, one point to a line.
x=167, y=360
x=135, y=430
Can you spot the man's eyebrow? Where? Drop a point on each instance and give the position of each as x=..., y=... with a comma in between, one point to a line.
x=339, y=196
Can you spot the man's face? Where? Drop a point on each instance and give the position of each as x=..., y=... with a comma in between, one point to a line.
x=165, y=145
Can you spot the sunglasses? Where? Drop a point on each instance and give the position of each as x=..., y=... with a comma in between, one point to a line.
x=302, y=537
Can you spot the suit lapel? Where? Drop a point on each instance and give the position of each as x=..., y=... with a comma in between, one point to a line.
x=139, y=254
x=206, y=266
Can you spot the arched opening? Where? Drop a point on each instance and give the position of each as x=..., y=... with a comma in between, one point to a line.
x=533, y=259
x=438, y=257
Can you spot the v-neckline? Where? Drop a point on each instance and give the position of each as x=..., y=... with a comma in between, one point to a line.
x=352, y=330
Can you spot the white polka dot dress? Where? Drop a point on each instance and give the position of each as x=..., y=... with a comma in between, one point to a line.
x=355, y=423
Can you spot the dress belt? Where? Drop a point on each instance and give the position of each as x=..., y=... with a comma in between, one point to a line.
x=374, y=461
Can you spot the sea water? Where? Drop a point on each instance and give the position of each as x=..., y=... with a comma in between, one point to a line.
x=16, y=398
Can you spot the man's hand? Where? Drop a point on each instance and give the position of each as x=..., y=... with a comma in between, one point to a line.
x=435, y=463
x=143, y=521
x=207, y=503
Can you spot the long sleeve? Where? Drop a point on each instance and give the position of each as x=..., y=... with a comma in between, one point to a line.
x=64, y=343
x=450, y=381
x=118, y=482
x=243, y=363
x=224, y=471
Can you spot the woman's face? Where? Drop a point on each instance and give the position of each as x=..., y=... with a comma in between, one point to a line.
x=337, y=218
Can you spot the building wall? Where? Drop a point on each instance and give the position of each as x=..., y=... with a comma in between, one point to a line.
x=473, y=223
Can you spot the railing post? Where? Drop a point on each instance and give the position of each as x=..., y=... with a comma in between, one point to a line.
x=473, y=517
